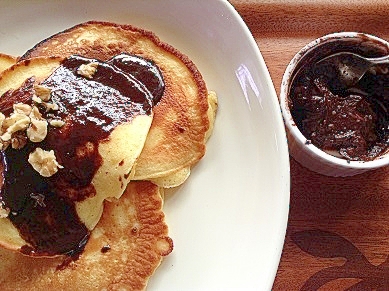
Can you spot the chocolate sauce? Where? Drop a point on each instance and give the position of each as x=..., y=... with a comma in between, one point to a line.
x=108, y=99
x=105, y=249
x=43, y=209
x=144, y=70
x=22, y=94
x=351, y=122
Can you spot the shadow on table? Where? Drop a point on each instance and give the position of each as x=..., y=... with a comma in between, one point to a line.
x=326, y=244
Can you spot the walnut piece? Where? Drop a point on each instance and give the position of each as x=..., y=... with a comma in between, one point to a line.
x=44, y=162
x=3, y=211
x=37, y=130
x=27, y=123
x=37, y=99
x=18, y=140
x=16, y=122
x=50, y=106
x=22, y=108
x=87, y=70
x=35, y=113
x=57, y=123
x=2, y=118
x=42, y=92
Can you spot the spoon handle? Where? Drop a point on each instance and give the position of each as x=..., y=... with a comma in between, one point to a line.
x=380, y=61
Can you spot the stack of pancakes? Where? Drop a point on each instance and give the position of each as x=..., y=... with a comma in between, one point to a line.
x=129, y=236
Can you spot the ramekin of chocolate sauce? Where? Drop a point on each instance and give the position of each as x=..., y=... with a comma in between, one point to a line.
x=333, y=129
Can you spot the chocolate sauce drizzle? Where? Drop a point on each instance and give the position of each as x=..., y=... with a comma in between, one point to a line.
x=43, y=209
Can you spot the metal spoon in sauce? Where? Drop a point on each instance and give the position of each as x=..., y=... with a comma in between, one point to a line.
x=352, y=67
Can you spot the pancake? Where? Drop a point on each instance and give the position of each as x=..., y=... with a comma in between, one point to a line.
x=124, y=250
x=6, y=61
x=112, y=152
x=176, y=140
x=177, y=178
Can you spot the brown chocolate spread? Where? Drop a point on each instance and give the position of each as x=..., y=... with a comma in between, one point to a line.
x=43, y=208
x=144, y=70
x=352, y=123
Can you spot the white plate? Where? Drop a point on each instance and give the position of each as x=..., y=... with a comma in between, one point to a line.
x=228, y=220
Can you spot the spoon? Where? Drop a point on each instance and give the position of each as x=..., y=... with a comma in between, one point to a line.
x=350, y=67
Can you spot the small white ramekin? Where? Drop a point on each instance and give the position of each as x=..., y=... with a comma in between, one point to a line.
x=307, y=154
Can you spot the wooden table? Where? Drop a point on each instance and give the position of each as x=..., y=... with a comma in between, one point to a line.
x=338, y=230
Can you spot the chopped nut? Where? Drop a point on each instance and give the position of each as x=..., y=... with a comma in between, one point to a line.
x=50, y=106
x=5, y=144
x=42, y=92
x=13, y=119
x=5, y=137
x=37, y=130
x=2, y=118
x=57, y=123
x=22, y=108
x=26, y=122
x=18, y=140
x=44, y=162
x=16, y=122
x=37, y=99
x=4, y=212
x=87, y=70
x=35, y=113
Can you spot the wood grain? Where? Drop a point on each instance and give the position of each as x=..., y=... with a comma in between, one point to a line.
x=338, y=230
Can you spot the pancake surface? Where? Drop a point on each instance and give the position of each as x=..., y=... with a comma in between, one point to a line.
x=6, y=61
x=125, y=248
x=177, y=135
